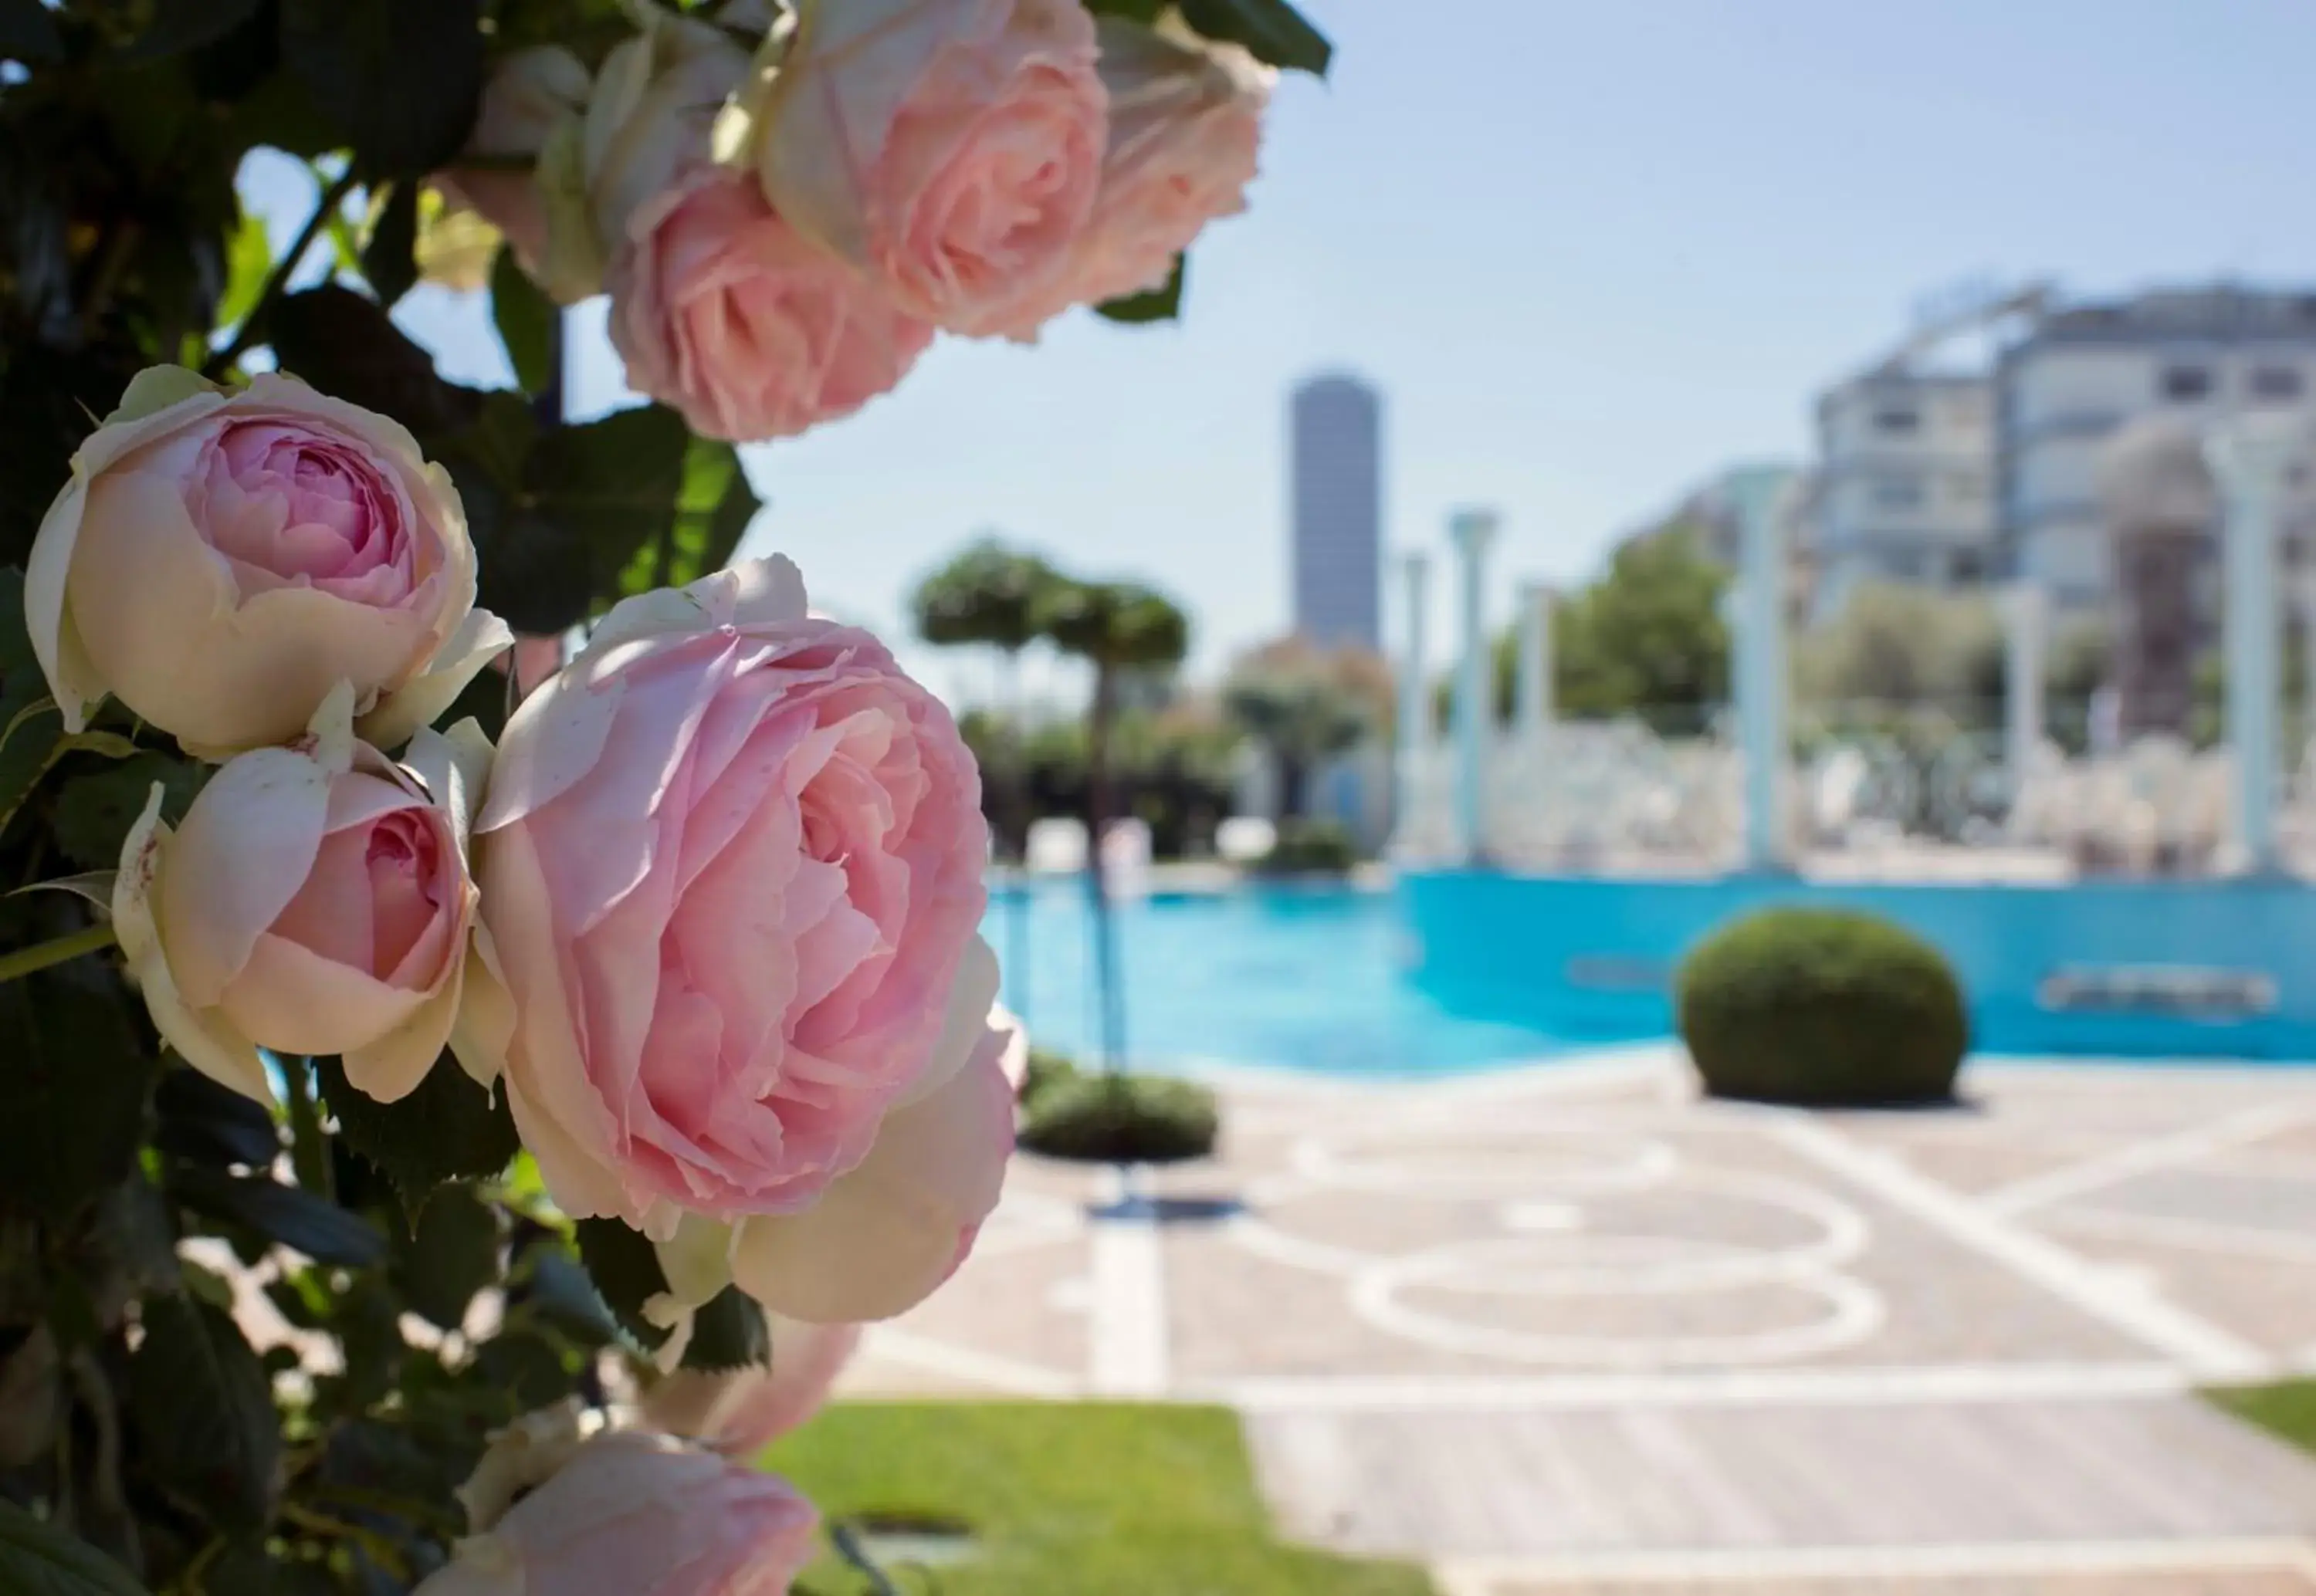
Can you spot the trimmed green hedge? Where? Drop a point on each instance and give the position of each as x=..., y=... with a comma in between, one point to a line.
x=1310, y=847
x=1121, y=1119
x=1046, y=1068
x=1822, y=1007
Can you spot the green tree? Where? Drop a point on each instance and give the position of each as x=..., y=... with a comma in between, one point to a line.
x=1116, y=628
x=1645, y=639
x=1306, y=704
x=1893, y=647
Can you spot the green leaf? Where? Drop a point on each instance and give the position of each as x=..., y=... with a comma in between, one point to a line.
x=204, y=1410
x=296, y=1218
x=448, y=1128
x=729, y=1333
x=451, y=1252
x=401, y=78
x=345, y=345
x=527, y=319
x=48, y=397
x=1145, y=12
x=182, y=25
x=73, y=1087
x=212, y=1124
x=95, y=810
x=389, y=258
x=39, y=1559
x=1155, y=305
x=712, y=514
x=30, y=724
x=1272, y=31
x=28, y=33
x=553, y=1286
x=625, y=1267
x=593, y=496
x=530, y=1369
x=369, y=1322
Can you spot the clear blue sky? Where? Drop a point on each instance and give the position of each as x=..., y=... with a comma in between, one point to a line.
x=1589, y=252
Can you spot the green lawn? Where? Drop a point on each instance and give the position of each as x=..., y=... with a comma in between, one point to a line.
x=2289, y=1409
x=1064, y=1499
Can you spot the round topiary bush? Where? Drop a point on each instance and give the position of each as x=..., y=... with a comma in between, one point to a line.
x=1310, y=847
x=1048, y=1069
x=1825, y=1006
x=1121, y=1119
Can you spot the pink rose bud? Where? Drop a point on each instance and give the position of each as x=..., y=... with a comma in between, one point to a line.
x=731, y=872
x=534, y=92
x=626, y=1513
x=724, y=311
x=948, y=148
x=315, y=900
x=740, y=1412
x=220, y=561
x=1185, y=128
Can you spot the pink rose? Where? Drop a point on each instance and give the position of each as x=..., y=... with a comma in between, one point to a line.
x=949, y=148
x=740, y=1412
x=627, y=1514
x=219, y=561
x=721, y=309
x=533, y=92
x=730, y=870
x=315, y=900
x=1185, y=127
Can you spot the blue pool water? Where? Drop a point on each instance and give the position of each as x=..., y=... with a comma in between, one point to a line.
x=1301, y=979
x=1459, y=971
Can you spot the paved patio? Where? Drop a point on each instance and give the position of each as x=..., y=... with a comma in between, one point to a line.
x=1568, y=1329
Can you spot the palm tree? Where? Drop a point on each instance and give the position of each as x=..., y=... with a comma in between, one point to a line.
x=1114, y=627
x=988, y=596
x=1304, y=704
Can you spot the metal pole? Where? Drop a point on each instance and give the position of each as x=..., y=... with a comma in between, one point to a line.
x=1472, y=530
x=2249, y=456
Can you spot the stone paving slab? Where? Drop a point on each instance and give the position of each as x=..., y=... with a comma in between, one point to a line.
x=1637, y=1479
x=1572, y=1310
x=2170, y=1581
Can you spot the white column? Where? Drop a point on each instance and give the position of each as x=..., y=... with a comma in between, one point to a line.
x=2249, y=456
x=2025, y=630
x=1472, y=530
x=2307, y=596
x=1761, y=681
x=1414, y=693
x=1535, y=696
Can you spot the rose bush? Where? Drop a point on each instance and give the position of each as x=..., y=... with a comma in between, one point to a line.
x=622, y=1513
x=722, y=310
x=373, y=1100
x=316, y=900
x=951, y=149
x=219, y=561
x=740, y=1412
x=731, y=863
x=1185, y=130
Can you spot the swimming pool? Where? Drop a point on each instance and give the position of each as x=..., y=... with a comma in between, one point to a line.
x=1298, y=977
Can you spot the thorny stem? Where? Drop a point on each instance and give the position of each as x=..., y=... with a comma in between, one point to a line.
x=278, y=279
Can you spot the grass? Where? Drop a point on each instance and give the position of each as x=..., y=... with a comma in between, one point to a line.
x=1063, y=1499
x=2287, y=1409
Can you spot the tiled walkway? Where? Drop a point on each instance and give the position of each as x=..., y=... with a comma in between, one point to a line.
x=1570, y=1330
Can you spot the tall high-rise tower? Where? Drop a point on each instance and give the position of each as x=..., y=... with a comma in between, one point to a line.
x=1337, y=423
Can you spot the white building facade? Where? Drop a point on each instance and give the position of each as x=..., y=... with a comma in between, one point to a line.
x=1905, y=484
x=2083, y=372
